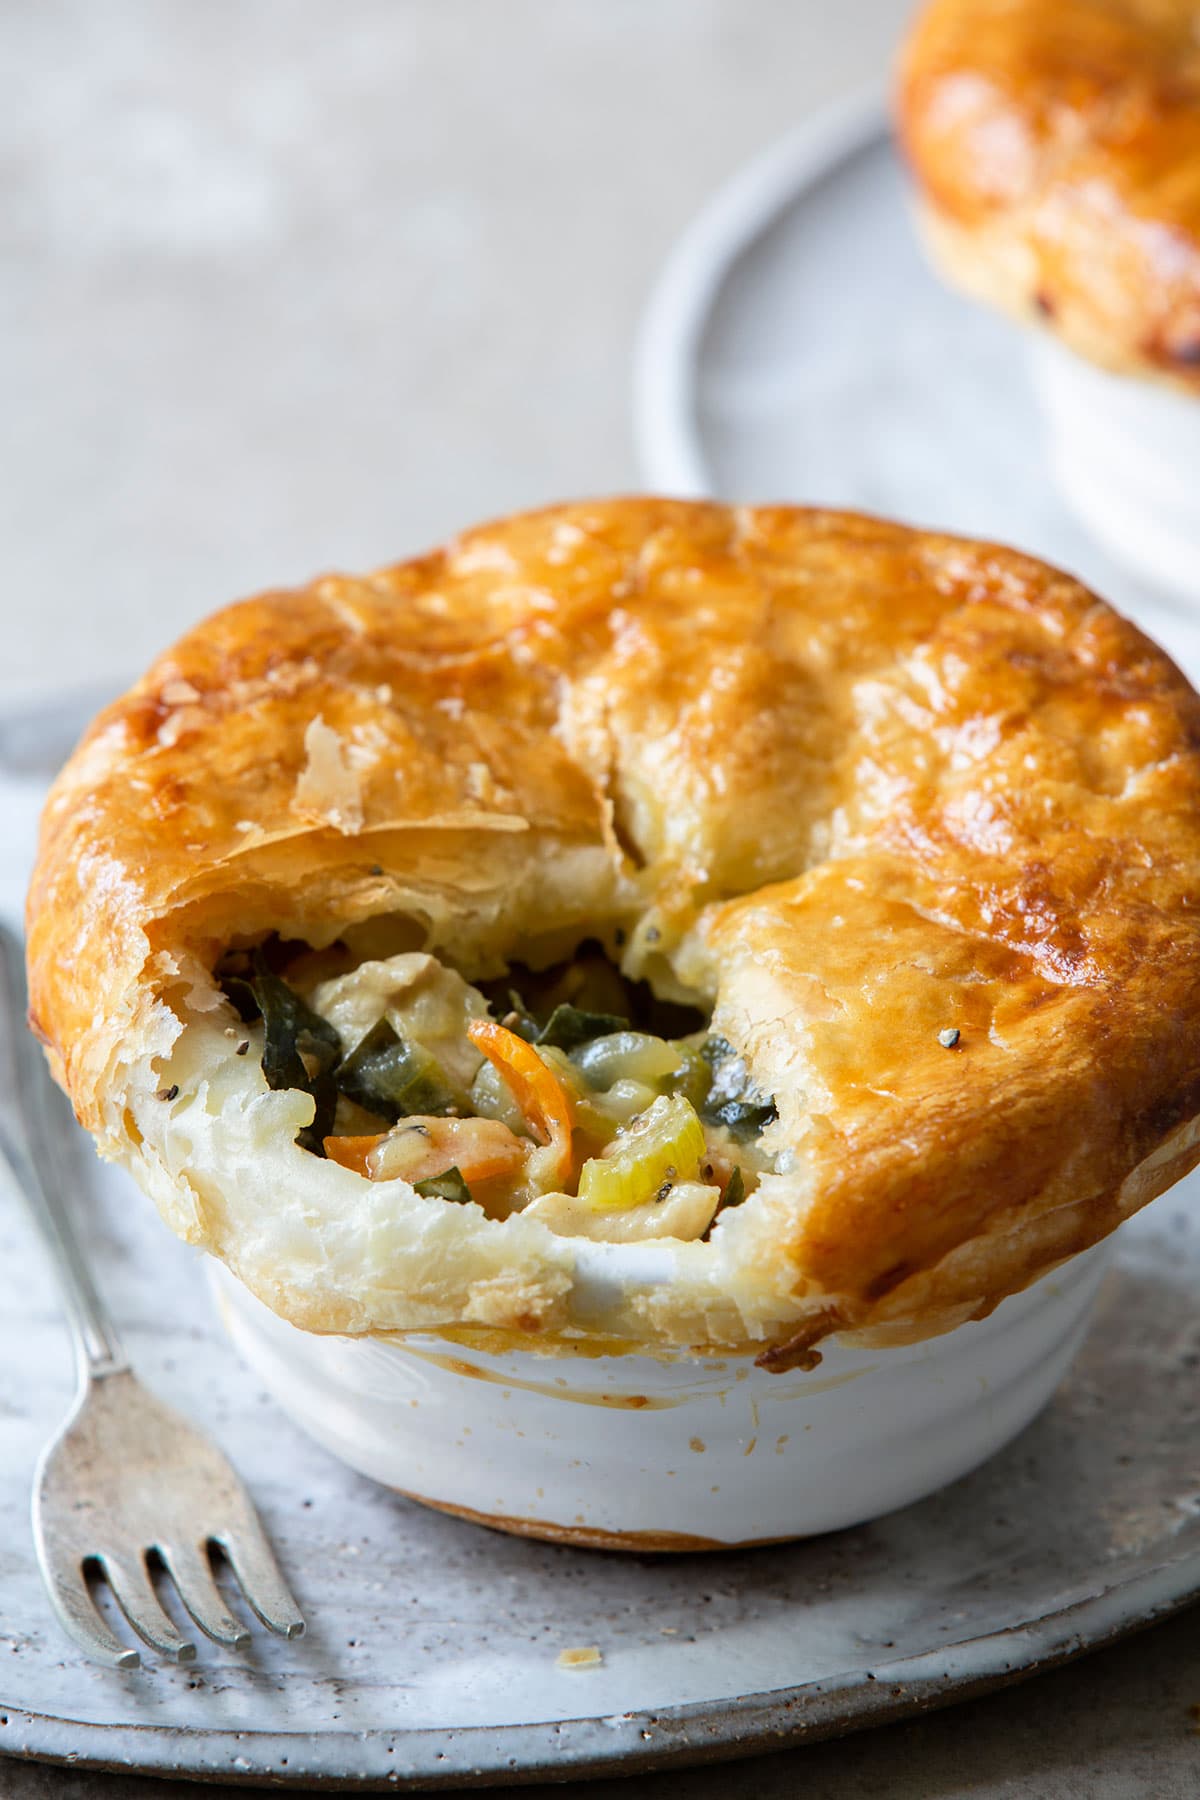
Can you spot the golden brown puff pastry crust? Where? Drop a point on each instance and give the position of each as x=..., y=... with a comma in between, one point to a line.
x=860, y=785
x=1057, y=144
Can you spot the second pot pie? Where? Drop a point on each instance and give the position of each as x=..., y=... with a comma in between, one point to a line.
x=1058, y=151
x=814, y=896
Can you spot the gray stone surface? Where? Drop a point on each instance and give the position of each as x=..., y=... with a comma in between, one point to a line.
x=287, y=285
x=1119, y=1725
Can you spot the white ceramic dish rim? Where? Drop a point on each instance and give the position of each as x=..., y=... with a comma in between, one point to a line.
x=669, y=447
x=1125, y=452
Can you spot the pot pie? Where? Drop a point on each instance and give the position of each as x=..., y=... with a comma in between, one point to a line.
x=1057, y=148
x=812, y=896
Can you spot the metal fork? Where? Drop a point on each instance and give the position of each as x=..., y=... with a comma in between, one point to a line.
x=127, y=1481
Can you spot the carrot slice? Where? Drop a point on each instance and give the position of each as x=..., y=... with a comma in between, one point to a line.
x=534, y=1086
x=351, y=1152
x=481, y=1150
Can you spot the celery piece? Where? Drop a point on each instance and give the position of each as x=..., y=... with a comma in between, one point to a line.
x=626, y=1056
x=665, y=1145
x=491, y=1098
x=623, y=1102
x=395, y=1078
x=693, y=1075
x=449, y=1185
x=595, y=1123
x=569, y=1026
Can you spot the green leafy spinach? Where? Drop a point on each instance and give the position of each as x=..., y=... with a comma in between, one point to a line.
x=300, y=1048
x=732, y=1099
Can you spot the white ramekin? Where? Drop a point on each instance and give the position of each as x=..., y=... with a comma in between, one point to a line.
x=659, y=1452
x=1126, y=454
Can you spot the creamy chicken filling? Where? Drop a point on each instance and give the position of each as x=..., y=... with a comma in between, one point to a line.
x=571, y=1094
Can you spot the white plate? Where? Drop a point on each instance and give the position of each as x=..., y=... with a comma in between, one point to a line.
x=799, y=348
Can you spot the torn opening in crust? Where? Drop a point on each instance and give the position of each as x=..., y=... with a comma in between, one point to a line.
x=570, y=1092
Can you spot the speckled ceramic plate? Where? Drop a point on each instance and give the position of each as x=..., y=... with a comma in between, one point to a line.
x=431, y=1658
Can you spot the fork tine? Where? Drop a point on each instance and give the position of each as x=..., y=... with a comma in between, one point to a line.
x=191, y=1571
x=258, y=1574
x=136, y=1597
x=80, y=1619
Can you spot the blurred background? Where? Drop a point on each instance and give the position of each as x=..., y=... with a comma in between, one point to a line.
x=289, y=286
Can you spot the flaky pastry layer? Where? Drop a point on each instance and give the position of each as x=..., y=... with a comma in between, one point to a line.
x=859, y=787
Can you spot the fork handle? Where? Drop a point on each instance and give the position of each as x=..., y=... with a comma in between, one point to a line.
x=35, y=1129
